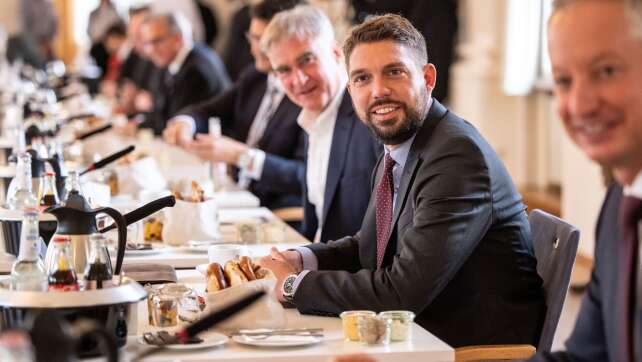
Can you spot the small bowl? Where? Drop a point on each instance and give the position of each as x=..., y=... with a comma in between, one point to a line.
x=350, y=320
x=401, y=324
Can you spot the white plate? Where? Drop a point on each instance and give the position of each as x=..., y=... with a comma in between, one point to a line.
x=277, y=341
x=201, y=246
x=212, y=339
x=156, y=249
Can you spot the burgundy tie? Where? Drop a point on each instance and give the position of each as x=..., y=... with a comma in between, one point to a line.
x=384, y=208
x=630, y=213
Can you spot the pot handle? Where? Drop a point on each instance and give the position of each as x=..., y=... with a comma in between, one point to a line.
x=144, y=211
x=122, y=234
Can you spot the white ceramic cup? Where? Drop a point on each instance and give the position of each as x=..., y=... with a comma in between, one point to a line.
x=225, y=252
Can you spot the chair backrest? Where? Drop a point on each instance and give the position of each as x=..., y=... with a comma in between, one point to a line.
x=555, y=242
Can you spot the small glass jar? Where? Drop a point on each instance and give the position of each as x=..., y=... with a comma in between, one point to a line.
x=247, y=231
x=374, y=330
x=401, y=324
x=350, y=321
x=165, y=310
x=273, y=232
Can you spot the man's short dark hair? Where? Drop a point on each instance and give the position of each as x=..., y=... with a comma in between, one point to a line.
x=387, y=27
x=118, y=30
x=266, y=9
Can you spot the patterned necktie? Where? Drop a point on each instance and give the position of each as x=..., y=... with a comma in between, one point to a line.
x=384, y=208
x=630, y=213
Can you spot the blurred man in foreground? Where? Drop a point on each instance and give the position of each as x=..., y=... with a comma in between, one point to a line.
x=596, y=55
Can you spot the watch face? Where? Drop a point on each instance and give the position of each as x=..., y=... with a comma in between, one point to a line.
x=288, y=285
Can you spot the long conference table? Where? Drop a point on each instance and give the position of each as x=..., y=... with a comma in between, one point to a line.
x=175, y=163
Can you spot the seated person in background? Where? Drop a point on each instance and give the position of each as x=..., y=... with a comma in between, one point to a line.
x=340, y=151
x=262, y=137
x=596, y=56
x=190, y=72
x=136, y=76
x=446, y=233
x=115, y=44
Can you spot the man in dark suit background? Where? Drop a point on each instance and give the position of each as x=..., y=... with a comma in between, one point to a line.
x=596, y=55
x=340, y=152
x=261, y=135
x=445, y=234
x=191, y=72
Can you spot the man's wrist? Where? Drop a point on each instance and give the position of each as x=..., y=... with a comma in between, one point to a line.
x=288, y=288
x=245, y=158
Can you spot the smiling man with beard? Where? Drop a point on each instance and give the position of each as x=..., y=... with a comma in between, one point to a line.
x=445, y=234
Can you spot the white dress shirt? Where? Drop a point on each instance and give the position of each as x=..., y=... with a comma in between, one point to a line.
x=320, y=130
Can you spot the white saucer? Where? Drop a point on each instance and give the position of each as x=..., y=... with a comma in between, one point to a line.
x=212, y=339
x=277, y=341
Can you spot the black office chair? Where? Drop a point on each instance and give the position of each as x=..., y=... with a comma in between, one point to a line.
x=555, y=242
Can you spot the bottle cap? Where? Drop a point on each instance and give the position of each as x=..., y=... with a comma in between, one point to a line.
x=60, y=238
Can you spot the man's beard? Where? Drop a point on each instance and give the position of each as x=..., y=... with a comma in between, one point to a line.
x=404, y=130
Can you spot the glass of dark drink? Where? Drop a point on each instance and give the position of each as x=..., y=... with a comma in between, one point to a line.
x=62, y=276
x=98, y=273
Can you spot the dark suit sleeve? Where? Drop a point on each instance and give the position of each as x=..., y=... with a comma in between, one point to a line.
x=286, y=173
x=452, y=213
x=221, y=106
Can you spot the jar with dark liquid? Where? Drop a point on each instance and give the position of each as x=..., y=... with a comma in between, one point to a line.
x=62, y=276
x=98, y=273
x=48, y=195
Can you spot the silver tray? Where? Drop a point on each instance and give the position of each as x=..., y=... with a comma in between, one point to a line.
x=128, y=291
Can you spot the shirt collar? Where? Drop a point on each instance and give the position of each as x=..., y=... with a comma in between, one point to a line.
x=635, y=188
x=273, y=82
x=400, y=153
x=179, y=59
x=310, y=124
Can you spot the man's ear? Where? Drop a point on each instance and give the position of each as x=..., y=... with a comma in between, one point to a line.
x=430, y=76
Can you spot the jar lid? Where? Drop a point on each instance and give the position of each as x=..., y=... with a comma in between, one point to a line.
x=350, y=313
x=398, y=314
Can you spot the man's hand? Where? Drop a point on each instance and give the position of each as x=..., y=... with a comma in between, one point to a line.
x=279, y=264
x=178, y=133
x=219, y=149
x=129, y=129
x=143, y=101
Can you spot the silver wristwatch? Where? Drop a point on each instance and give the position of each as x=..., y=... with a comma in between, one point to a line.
x=288, y=287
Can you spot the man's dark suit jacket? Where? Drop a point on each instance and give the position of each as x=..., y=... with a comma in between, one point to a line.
x=202, y=76
x=138, y=70
x=353, y=155
x=282, y=141
x=598, y=329
x=459, y=254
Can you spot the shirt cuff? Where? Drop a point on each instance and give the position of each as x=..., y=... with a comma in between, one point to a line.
x=182, y=118
x=298, y=280
x=256, y=166
x=310, y=261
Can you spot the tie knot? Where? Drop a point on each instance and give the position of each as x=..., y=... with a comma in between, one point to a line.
x=388, y=164
x=630, y=210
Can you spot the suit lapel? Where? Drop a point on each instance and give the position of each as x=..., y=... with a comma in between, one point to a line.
x=338, y=150
x=435, y=114
x=274, y=122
